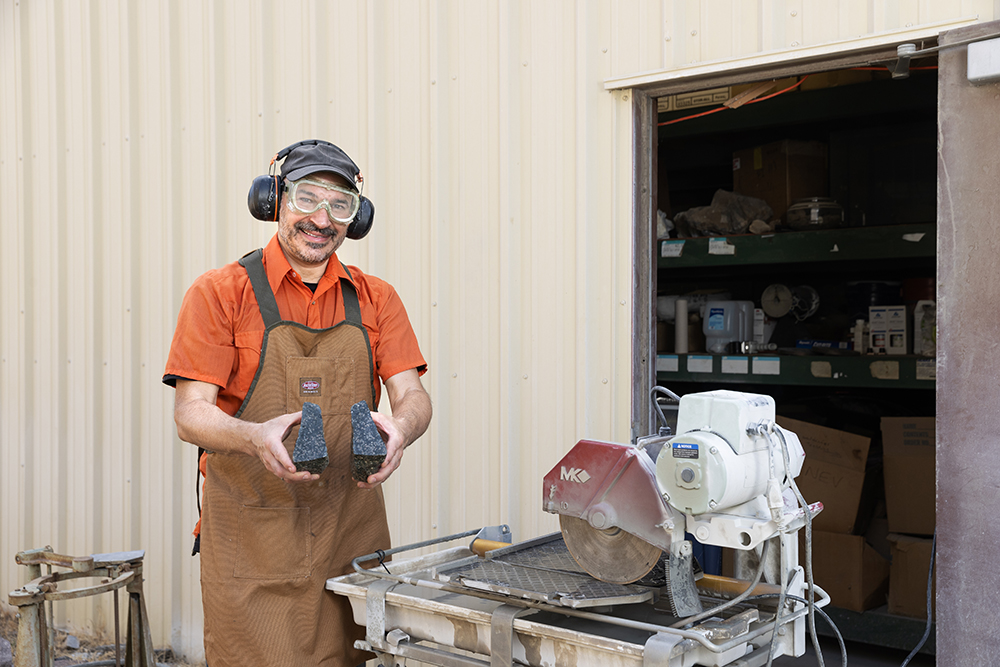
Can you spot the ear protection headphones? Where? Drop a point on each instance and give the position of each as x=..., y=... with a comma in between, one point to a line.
x=265, y=193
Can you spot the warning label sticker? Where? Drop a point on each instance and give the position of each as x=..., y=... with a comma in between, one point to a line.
x=685, y=451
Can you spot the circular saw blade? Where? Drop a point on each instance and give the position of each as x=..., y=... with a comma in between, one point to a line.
x=614, y=555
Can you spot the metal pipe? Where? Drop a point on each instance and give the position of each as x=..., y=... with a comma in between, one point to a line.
x=118, y=641
x=380, y=555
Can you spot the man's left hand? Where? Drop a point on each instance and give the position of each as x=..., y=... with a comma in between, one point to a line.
x=394, y=446
x=411, y=412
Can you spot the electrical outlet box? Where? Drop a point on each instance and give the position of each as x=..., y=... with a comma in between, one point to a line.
x=984, y=62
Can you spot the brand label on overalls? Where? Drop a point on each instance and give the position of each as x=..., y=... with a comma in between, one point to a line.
x=309, y=387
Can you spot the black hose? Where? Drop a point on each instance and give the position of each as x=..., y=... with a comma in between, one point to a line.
x=656, y=404
x=683, y=623
x=819, y=610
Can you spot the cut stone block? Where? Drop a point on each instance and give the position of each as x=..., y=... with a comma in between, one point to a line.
x=310, y=447
x=367, y=448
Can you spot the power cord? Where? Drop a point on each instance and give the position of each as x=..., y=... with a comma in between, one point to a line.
x=927, y=627
x=664, y=426
x=809, y=557
x=683, y=623
x=836, y=630
x=766, y=428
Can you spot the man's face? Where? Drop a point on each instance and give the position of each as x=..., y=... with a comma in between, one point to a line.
x=311, y=238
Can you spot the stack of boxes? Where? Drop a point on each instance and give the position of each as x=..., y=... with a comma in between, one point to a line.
x=865, y=571
x=781, y=172
x=844, y=565
x=908, y=453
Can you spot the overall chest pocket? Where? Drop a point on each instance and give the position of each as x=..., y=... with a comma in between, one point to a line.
x=326, y=381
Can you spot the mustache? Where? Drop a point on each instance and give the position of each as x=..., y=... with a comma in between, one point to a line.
x=313, y=229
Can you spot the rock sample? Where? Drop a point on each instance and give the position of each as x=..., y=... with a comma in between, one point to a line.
x=6, y=653
x=310, y=447
x=367, y=447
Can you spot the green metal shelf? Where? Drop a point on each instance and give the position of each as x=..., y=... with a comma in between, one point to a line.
x=823, y=245
x=891, y=372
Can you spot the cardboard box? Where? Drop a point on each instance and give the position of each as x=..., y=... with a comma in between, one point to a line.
x=888, y=329
x=833, y=473
x=911, y=560
x=844, y=77
x=854, y=574
x=781, y=172
x=908, y=460
x=776, y=86
x=728, y=563
x=877, y=537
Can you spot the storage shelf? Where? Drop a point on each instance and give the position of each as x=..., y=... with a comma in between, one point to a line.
x=892, y=372
x=823, y=245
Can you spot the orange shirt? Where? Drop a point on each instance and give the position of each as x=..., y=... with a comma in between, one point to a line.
x=220, y=330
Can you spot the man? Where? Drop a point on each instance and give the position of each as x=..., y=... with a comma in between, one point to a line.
x=254, y=341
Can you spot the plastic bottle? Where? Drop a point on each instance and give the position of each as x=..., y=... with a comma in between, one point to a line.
x=725, y=322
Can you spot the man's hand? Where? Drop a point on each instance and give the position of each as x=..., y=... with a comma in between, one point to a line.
x=391, y=432
x=271, y=450
x=200, y=421
x=411, y=413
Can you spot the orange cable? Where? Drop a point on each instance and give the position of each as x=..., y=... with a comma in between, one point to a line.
x=724, y=108
x=761, y=99
x=794, y=85
x=697, y=115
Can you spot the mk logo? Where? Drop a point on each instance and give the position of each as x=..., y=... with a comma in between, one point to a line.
x=578, y=475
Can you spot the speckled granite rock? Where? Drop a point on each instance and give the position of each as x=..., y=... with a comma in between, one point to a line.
x=367, y=447
x=310, y=447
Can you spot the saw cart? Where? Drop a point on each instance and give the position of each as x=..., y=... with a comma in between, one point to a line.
x=618, y=585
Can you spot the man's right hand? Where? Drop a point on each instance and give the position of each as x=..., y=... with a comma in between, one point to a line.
x=270, y=448
x=200, y=421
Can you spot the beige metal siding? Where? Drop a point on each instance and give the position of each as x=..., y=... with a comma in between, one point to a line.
x=502, y=172
x=651, y=35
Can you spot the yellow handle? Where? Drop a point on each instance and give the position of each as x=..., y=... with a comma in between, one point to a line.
x=726, y=587
x=480, y=547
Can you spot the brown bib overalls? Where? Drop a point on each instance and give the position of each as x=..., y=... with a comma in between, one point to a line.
x=268, y=546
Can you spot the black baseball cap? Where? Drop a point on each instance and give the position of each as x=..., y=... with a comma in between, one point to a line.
x=310, y=158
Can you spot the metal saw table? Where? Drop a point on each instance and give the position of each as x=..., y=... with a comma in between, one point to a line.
x=530, y=604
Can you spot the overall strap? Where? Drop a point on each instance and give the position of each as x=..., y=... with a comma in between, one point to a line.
x=269, y=306
x=261, y=288
x=352, y=309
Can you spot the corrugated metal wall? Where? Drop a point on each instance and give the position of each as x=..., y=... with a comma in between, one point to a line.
x=501, y=170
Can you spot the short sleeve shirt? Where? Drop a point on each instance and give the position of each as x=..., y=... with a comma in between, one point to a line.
x=220, y=329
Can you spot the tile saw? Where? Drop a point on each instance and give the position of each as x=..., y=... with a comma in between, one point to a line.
x=620, y=576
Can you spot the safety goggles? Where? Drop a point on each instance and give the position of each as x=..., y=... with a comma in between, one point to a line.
x=306, y=196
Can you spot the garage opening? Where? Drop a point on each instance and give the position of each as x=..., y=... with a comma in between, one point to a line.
x=796, y=257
